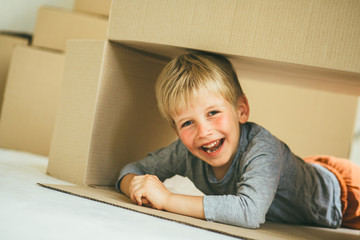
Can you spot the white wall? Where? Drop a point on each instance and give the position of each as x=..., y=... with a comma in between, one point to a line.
x=355, y=150
x=20, y=15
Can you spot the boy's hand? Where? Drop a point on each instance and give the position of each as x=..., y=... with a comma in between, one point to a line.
x=149, y=190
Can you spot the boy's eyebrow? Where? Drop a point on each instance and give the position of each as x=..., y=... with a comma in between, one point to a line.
x=210, y=107
x=181, y=120
x=187, y=117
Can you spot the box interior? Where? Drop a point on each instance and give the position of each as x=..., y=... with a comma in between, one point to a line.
x=312, y=96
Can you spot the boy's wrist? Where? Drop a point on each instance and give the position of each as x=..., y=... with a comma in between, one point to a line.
x=125, y=183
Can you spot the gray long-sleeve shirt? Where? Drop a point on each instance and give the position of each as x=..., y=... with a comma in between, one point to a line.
x=265, y=181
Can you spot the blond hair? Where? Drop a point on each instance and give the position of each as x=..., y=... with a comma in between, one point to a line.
x=191, y=75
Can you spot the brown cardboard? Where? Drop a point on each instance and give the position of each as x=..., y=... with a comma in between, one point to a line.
x=31, y=98
x=54, y=26
x=7, y=44
x=101, y=7
x=315, y=33
x=266, y=231
x=108, y=114
x=309, y=121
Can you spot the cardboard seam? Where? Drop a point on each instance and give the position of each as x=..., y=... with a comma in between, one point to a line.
x=153, y=215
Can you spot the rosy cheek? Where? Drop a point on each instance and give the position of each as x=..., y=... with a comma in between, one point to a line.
x=221, y=121
x=185, y=136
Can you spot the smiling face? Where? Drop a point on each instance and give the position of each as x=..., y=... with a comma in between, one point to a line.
x=209, y=128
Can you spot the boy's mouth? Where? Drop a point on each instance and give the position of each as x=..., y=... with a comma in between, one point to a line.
x=213, y=147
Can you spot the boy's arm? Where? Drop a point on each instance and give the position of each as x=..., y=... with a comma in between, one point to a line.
x=149, y=190
x=186, y=205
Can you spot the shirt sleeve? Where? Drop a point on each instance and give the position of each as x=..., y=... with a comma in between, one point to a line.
x=256, y=188
x=164, y=163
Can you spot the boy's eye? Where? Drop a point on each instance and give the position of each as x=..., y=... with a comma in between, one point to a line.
x=212, y=113
x=185, y=124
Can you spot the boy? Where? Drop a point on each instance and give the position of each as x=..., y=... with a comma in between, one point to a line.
x=246, y=174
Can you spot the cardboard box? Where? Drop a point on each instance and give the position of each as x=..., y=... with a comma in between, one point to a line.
x=101, y=7
x=108, y=110
x=313, y=33
x=279, y=56
x=108, y=113
x=31, y=99
x=54, y=26
x=7, y=45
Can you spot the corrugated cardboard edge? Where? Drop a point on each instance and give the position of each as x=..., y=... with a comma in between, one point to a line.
x=266, y=231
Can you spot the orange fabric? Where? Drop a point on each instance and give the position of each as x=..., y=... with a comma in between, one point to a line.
x=348, y=175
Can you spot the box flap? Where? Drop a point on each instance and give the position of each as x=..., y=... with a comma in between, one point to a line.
x=70, y=147
x=316, y=33
x=266, y=231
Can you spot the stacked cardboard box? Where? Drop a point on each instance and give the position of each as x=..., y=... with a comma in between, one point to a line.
x=55, y=26
x=35, y=79
x=7, y=44
x=101, y=7
x=31, y=100
x=298, y=63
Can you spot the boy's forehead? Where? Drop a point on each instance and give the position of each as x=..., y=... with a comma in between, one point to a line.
x=197, y=102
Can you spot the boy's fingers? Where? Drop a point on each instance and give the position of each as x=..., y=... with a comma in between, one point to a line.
x=146, y=202
x=136, y=197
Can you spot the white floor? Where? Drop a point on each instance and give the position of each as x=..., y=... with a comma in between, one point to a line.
x=28, y=211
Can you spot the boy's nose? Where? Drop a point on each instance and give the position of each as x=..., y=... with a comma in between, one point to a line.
x=204, y=129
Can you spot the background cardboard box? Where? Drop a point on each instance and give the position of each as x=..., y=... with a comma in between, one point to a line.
x=54, y=26
x=31, y=99
x=7, y=45
x=101, y=7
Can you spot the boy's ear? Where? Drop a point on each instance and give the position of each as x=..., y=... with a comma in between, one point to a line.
x=243, y=109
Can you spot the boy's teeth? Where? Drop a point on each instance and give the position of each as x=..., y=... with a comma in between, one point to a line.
x=212, y=147
x=212, y=144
